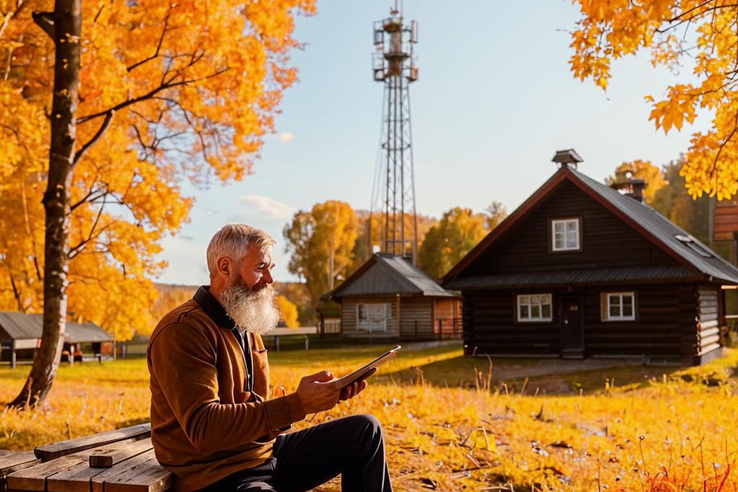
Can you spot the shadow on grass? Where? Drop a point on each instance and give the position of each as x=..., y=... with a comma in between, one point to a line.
x=553, y=377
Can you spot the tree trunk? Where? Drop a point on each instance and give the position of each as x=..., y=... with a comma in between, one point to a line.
x=65, y=24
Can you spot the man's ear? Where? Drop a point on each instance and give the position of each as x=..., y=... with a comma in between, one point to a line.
x=224, y=266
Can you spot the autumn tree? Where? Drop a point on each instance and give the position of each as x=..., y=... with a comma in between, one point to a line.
x=699, y=33
x=495, y=213
x=446, y=243
x=674, y=203
x=644, y=170
x=372, y=224
x=104, y=110
x=287, y=311
x=320, y=243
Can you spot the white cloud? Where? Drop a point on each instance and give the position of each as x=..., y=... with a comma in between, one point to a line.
x=269, y=207
x=285, y=137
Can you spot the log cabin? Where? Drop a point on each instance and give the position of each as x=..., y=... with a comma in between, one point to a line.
x=390, y=298
x=582, y=269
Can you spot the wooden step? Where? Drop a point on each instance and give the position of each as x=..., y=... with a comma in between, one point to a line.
x=58, y=449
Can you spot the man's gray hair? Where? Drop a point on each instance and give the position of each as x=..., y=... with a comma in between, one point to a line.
x=233, y=241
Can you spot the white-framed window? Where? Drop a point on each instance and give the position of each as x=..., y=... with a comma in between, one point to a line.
x=619, y=306
x=373, y=317
x=534, y=307
x=565, y=235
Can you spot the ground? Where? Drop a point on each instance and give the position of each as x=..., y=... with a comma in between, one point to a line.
x=454, y=423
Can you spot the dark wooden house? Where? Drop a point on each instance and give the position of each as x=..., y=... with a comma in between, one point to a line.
x=388, y=297
x=583, y=270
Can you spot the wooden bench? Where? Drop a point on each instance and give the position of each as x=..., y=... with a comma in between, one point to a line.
x=116, y=461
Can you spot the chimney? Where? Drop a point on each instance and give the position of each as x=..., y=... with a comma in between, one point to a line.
x=626, y=184
x=567, y=158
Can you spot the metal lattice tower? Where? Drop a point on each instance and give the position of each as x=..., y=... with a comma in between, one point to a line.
x=393, y=194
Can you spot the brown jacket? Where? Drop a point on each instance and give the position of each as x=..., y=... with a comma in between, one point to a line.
x=205, y=424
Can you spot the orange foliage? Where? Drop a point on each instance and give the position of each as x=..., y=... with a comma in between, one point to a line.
x=192, y=86
x=672, y=30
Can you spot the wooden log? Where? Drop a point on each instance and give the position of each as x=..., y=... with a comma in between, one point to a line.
x=107, y=456
x=34, y=477
x=58, y=449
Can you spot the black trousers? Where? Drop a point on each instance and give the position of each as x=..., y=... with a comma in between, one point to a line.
x=351, y=446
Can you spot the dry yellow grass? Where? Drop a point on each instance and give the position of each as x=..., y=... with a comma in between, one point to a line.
x=674, y=430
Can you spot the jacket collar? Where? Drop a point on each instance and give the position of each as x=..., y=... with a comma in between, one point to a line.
x=213, y=308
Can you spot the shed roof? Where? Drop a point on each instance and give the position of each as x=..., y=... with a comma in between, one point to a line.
x=21, y=326
x=674, y=240
x=387, y=274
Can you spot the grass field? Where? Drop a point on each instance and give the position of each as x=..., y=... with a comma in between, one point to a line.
x=449, y=426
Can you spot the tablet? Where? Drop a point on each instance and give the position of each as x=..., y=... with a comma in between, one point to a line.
x=365, y=371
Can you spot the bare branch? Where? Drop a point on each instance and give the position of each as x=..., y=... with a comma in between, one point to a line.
x=168, y=84
x=158, y=47
x=91, y=236
x=100, y=131
x=45, y=20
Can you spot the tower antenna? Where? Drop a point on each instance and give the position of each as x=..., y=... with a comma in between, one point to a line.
x=393, y=198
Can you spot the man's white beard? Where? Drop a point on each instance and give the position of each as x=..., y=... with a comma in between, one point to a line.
x=252, y=310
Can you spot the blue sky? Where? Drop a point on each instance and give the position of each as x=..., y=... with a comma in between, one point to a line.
x=494, y=101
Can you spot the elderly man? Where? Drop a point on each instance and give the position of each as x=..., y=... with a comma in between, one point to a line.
x=212, y=424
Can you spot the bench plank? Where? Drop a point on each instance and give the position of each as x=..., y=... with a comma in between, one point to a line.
x=58, y=449
x=12, y=461
x=78, y=478
x=74, y=479
x=34, y=477
x=147, y=477
x=121, y=476
x=108, y=456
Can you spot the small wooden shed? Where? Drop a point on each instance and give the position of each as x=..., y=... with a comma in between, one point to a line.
x=20, y=336
x=389, y=297
x=581, y=269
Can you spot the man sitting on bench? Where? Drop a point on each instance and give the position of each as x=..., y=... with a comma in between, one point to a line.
x=212, y=425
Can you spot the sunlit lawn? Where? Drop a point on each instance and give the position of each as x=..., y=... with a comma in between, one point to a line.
x=658, y=429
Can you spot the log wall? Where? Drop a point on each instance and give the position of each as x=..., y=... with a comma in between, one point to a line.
x=664, y=328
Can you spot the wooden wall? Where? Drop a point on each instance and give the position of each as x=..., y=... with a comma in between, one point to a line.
x=708, y=325
x=607, y=241
x=349, y=313
x=664, y=327
x=416, y=312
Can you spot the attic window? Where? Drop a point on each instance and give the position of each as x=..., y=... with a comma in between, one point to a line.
x=566, y=235
x=694, y=246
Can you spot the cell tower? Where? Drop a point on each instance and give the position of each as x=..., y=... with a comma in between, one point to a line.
x=393, y=193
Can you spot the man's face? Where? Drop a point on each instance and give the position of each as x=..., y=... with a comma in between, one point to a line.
x=255, y=269
x=249, y=298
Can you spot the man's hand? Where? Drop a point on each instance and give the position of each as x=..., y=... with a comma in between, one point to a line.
x=356, y=387
x=317, y=392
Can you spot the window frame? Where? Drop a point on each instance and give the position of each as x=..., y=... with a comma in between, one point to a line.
x=367, y=326
x=529, y=319
x=622, y=295
x=552, y=234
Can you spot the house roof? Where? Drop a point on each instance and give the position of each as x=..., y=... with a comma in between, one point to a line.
x=678, y=243
x=21, y=326
x=387, y=274
x=572, y=277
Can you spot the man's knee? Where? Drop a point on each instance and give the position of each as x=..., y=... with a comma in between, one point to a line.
x=370, y=426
